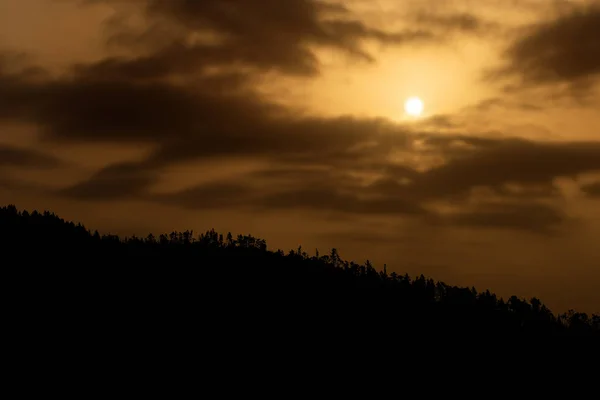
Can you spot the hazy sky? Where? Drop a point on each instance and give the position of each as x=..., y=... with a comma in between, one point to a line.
x=285, y=119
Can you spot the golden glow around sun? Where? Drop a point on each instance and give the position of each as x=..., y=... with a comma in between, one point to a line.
x=414, y=107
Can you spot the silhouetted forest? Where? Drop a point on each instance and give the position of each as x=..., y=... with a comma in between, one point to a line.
x=60, y=272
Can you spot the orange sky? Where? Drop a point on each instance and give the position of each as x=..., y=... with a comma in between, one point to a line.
x=286, y=119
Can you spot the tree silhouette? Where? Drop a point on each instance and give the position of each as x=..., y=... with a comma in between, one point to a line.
x=216, y=281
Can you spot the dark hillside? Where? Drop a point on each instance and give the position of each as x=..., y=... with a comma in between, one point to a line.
x=59, y=274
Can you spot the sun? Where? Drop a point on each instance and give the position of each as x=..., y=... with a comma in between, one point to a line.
x=414, y=107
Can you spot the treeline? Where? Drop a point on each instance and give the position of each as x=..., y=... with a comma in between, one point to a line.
x=227, y=281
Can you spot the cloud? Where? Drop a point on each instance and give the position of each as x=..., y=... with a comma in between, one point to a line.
x=89, y=109
x=592, y=190
x=181, y=100
x=519, y=175
x=264, y=34
x=20, y=157
x=563, y=50
x=319, y=164
x=510, y=161
x=286, y=138
x=284, y=189
x=324, y=191
x=200, y=121
x=529, y=216
x=114, y=182
x=504, y=103
x=186, y=122
x=462, y=22
x=213, y=195
x=332, y=199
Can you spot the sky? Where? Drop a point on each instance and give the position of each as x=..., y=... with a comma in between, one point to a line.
x=285, y=119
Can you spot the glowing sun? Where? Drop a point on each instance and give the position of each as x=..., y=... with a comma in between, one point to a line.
x=414, y=107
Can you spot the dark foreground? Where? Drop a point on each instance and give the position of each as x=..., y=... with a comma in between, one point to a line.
x=64, y=280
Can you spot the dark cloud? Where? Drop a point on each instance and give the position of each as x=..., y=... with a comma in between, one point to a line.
x=454, y=145
x=174, y=60
x=592, y=189
x=543, y=191
x=174, y=99
x=529, y=216
x=311, y=190
x=197, y=121
x=329, y=199
x=266, y=34
x=282, y=188
x=291, y=175
x=20, y=157
x=564, y=50
x=505, y=103
x=358, y=237
x=209, y=196
x=332, y=199
x=441, y=121
x=211, y=116
x=288, y=139
x=6, y=182
x=454, y=22
x=115, y=182
x=517, y=173
x=510, y=161
x=83, y=109
x=200, y=120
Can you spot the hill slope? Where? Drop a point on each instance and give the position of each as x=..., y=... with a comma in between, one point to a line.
x=61, y=274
